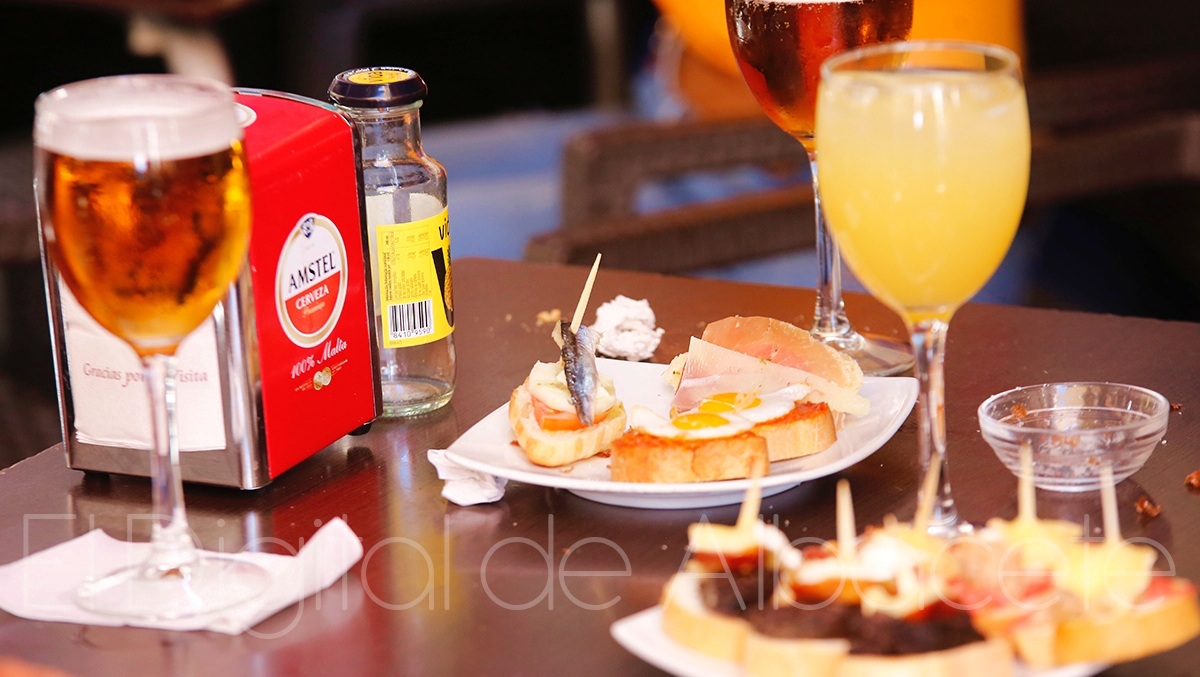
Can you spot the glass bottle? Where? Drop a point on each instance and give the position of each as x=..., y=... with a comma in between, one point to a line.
x=409, y=237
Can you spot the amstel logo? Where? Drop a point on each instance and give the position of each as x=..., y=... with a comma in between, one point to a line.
x=310, y=282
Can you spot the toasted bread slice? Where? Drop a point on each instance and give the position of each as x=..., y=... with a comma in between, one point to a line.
x=1114, y=636
x=688, y=621
x=554, y=448
x=806, y=429
x=640, y=457
x=1158, y=625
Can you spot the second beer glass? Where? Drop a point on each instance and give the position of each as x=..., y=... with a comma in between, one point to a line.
x=779, y=46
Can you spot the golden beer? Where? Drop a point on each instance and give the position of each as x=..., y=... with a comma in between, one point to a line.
x=780, y=44
x=145, y=213
x=148, y=221
x=148, y=252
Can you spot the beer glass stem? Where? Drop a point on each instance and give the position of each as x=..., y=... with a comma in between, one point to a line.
x=171, y=540
x=929, y=349
x=829, y=322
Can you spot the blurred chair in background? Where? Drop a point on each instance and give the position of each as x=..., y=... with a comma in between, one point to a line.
x=1086, y=120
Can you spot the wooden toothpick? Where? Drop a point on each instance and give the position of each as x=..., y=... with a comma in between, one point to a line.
x=1026, y=496
x=1108, y=504
x=577, y=318
x=750, y=506
x=847, y=530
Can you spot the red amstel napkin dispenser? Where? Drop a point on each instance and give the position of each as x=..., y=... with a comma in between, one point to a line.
x=285, y=365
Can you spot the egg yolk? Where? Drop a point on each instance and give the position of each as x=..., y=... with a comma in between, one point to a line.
x=723, y=402
x=698, y=419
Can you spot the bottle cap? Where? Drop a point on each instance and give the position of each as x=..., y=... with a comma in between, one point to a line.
x=377, y=87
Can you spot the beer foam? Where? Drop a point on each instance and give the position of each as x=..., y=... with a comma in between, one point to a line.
x=109, y=120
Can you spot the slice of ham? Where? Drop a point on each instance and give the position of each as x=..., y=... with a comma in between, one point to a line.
x=784, y=344
x=711, y=369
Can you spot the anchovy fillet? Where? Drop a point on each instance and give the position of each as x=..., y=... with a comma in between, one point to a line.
x=579, y=366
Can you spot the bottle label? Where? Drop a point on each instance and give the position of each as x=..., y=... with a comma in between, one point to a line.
x=415, y=292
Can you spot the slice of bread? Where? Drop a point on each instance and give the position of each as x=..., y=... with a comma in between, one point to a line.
x=1158, y=625
x=641, y=457
x=689, y=622
x=554, y=448
x=806, y=429
x=1045, y=641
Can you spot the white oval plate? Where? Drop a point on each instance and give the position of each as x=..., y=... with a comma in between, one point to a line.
x=642, y=635
x=489, y=447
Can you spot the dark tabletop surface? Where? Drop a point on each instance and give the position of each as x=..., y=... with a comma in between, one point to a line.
x=488, y=590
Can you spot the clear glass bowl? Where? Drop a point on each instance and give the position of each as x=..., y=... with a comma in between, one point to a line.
x=1074, y=429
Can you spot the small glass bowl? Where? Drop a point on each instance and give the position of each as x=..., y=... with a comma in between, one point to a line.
x=1074, y=429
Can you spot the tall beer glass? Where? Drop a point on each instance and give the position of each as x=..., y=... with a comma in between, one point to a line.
x=144, y=207
x=779, y=46
x=925, y=169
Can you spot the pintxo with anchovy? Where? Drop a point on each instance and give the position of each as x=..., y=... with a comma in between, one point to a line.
x=579, y=368
x=567, y=411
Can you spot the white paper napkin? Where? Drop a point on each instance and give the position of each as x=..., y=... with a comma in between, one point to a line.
x=41, y=587
x=463, y=485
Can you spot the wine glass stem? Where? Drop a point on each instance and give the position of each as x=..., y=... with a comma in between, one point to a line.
x=170, y=540
x=829, y=321
x=929, y=349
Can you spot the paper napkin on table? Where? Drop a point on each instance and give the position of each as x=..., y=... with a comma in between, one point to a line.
x=463, y=485
x=41, y=587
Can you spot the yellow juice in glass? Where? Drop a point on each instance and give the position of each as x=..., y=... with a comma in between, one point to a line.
x=923, y=181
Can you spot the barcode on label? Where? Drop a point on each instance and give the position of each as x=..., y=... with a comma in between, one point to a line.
x=408, y=320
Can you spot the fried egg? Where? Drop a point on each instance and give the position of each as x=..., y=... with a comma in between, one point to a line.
x=719, y=415
x=693, y=425
x=754, y=407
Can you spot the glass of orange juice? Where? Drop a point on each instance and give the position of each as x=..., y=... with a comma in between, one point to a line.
x=925, y=168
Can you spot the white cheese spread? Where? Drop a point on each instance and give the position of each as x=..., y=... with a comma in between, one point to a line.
x=627, y=329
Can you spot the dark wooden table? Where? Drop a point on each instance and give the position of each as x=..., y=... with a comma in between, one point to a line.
x=418, y=603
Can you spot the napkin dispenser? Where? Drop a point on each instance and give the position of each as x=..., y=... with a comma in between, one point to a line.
x=286, y=363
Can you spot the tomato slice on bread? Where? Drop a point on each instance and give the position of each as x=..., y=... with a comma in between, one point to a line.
x=554, y=420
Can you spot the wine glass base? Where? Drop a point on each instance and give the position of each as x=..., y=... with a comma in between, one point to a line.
x=209, y=583
x=945, y=522
x=951, y=530
x=876, y=355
